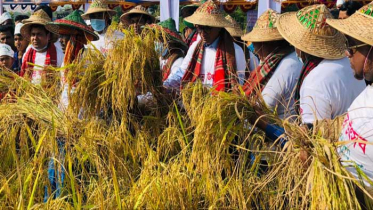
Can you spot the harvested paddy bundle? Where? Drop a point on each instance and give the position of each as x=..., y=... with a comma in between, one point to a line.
x=125, y=84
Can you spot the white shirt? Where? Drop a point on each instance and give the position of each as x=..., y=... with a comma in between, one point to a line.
x=328, y=90
x=208, y=65
x=177, y=63
x=40, y=61
x=358, y=126
x=279, y=91
x=104, y=43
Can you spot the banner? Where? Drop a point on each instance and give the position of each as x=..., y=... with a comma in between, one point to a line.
x=170, y=9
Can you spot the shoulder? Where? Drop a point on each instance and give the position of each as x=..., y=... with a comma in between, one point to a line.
x=290, y=63
x=238, y=49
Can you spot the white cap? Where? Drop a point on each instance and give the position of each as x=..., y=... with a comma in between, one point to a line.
x=5, y=16
x=6, y=50
x=340, y=2
x=17, y=30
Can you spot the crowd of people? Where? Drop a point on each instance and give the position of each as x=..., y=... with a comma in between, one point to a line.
x=305, y=63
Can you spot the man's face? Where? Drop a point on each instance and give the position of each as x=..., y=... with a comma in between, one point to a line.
x=39, y=37
x=64, y=39
x=137, y=21
x=6, y=61
x=357, y=56
x=208, y=34
x=7, y=38
x=343, y=15
x=20, y=43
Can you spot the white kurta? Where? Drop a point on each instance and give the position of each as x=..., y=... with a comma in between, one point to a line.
x=279, y=91
x=358, y=125
x=105, y=43
x=40, y=61
x=208, y=65
x=328, y=90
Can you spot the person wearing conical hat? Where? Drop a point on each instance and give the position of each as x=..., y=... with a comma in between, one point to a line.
x=21, y=44
x=42, y=52
x=358, y=123
x=326, y=87
x=215, y=60
x=189, y=32
x=173, y=52
x=99, y=14
x=74, y=27
x=236, y=32
x=137, y=18
x=279, y=69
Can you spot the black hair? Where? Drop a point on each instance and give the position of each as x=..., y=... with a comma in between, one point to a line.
x=39, y=26
x=7, y=28
x=350, y=7
x=20, y=17
x=335, y=13
x=46, y=9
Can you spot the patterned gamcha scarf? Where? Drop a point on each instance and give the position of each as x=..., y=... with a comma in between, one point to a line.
x=50, y=60
x=225, y=64
x=261, y=75
x=306, y=69
x=166, y=71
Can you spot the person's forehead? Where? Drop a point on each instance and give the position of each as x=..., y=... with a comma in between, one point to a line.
x=38, y=29
x=4, y=57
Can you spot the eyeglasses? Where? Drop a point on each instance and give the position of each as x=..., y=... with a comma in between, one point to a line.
x=351, y=50
x=206, y=29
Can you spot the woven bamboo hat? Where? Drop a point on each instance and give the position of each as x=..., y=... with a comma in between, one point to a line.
x=38, y=18
x=235, y=28
x=265, y=29
x=125, y=18
x=73, y=24
x=358, y=26
x=98, y=6
x=307, y=30
x=209, y=14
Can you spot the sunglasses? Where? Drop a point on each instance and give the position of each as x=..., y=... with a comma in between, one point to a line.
x=351, y=50
x=206, y=29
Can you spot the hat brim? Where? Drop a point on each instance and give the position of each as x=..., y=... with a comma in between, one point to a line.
x=263, y=35
x=358, y=26
x=125, y=18
x=235, y=32
x=85, y=16
x=328, y=47
x=25, y=31
x=68, y=29
x=217, y=21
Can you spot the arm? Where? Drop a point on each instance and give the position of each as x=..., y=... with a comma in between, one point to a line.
x=177, y=73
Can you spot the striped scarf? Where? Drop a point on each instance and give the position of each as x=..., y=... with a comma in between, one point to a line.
x=306, y=69
x=261, y=75
x=50, y=60
x=166, y=71
x=191, y=38
x=225, y=64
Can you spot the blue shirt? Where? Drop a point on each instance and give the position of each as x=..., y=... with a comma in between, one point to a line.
x=17, y=63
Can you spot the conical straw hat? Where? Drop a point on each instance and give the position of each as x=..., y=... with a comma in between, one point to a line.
x=98, y=6
x=125, y=18
x=38, y=18
x=208, y=14
x=265, y=29
x=307, y=30
x=358, y=26
x=234, y=29
x=71, y=25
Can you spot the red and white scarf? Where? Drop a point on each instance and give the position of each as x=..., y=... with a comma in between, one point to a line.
x=225, y=64
x=50, y=60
